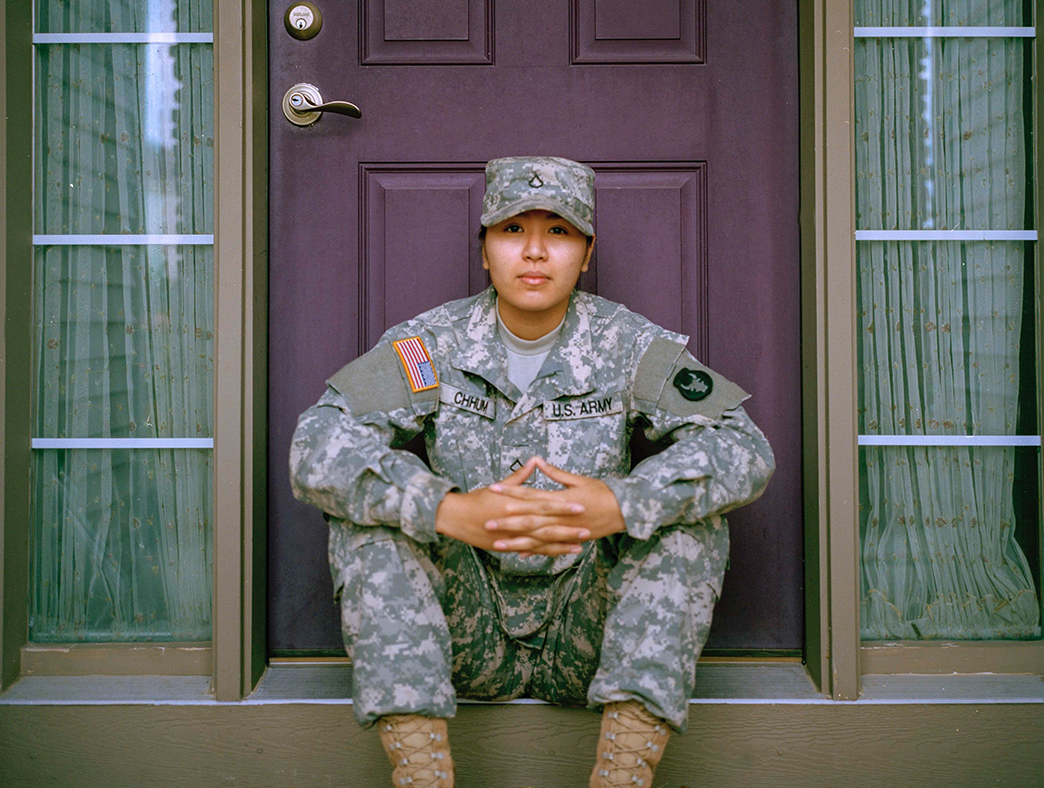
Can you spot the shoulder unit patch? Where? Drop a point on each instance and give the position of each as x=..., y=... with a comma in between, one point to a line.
x=420, y=371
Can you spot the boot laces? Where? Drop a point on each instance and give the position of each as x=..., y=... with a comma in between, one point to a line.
x=632, y=738
x=411, y=737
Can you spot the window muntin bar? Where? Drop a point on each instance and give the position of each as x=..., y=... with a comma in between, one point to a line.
x=949, y=440
x=112, y=239
x=123, y=443
x=945, y=32
x=123, y=38
x=946, y=235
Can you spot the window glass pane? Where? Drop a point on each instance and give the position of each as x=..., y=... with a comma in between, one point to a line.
x=950, y=543
x=121, y=545
x=942, y=134
x=121, y=540
x=952, y=13
x=946, y=335
x=945, y=341
x=125, y=139
x=121, y=16
x=125, y=343
x=950, y=535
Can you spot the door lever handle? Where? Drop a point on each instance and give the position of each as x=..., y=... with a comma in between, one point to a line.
x=337, y=107
x=303, y=105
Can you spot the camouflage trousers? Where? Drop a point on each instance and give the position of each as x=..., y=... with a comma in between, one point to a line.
x=426, y=623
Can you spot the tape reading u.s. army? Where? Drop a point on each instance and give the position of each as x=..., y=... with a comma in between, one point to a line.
x=599, y=405
x=416, y=360
x=469, y=401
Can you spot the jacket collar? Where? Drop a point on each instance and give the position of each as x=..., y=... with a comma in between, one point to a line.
x=480, y=350
x=567, y=371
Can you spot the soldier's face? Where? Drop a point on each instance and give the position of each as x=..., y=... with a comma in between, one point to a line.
x=534, y=260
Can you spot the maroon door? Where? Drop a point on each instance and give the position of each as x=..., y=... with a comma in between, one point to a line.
x=686, y=109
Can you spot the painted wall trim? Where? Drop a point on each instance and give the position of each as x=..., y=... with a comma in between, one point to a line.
x=240, y=265
x=16, y=166
x=813, y=337
x=837, y=364
x=994, y=658
x=116, y=659
x=1033, y=701
x=815, y=745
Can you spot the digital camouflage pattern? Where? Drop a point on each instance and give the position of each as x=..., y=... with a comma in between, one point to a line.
x=524, y=183
x=424, y=623
x=423, y=614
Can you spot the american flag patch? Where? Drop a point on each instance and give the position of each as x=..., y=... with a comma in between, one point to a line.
x=415, y=359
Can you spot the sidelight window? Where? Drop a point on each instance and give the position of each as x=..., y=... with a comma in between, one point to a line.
x=122, y=387
x=946, y=341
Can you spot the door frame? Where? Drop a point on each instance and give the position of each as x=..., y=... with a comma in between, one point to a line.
x=240, y=481
x=241, y=117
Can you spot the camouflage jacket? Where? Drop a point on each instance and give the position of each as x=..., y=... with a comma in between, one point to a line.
x=609, y=371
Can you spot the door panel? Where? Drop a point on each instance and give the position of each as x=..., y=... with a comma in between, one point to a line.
x=650, y=225
x=659, y=31
x=407, y=267
x=688, y=115
x=401, y=32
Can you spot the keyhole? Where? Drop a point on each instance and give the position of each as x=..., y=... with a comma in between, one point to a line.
x=296, y=100
x=301, y=24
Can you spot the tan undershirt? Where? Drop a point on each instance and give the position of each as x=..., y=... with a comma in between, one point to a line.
x=525, y=357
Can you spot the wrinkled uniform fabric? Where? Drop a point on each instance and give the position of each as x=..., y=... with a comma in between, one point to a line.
x=426, y=618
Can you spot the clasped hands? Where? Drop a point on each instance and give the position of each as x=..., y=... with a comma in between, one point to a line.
x=510, y=517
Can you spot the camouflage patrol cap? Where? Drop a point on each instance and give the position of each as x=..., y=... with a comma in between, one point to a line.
x=524, y=183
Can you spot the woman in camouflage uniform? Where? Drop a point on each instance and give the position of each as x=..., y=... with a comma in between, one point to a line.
x=530, y=559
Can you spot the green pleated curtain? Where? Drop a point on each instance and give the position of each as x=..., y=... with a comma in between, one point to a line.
x=121, y=543
x=942, y=144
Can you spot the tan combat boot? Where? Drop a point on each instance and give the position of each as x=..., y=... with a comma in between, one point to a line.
x=418, y=748
x=629, y=747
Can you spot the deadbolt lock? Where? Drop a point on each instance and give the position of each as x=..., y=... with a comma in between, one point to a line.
x=303, y=20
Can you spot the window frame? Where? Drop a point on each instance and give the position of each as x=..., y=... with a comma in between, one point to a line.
x=828, y=346
x=240, y=49
x=835, y=656
x=957, y=656
x=15, y=335
x=829, y=356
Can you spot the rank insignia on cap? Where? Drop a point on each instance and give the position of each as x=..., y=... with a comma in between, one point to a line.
x=536, y=182
x=417, y=363
x=693, y=384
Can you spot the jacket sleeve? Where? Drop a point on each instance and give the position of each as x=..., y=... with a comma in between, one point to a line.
x=717, y=458
x=342, y=458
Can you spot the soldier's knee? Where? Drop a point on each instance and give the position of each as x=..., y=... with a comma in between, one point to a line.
x=699, y=552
